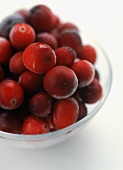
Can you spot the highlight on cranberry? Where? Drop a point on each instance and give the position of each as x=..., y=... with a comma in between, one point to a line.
x=48, y=75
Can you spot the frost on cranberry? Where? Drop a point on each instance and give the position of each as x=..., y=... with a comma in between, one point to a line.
x=60, y=82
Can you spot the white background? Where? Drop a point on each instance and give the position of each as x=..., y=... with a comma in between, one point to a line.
x=98, y=146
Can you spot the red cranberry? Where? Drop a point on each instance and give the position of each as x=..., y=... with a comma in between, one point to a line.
x=11, y=94
x=85, y=72
x=31, y=82
x=68, y=25
x=10, y=122
x=55, y=33
x=71, y=38
x=60, y=82
x=48, y=39
x=23, y=12
x=16, y=65
x=34, y=125
x=88, y=53
x=66, y=112
x=41, y=18
x=8, y=22
x=65, y=56
x=1, y=73
x=40, y=104
x=92, y=93
x=6, y=50
x=39, y=58
x=22, y=35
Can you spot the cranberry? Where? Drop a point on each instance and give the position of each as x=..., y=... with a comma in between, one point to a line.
x=92, y=93
x=65, y=56
x=23, y=12
x=41, y=18
x=60, y=82
x=22, y=35
x=6, y=50
x=68, y=25
x=16, y=65
x=11, y=94
x=31, y=82
x=8, y=22
x=49, y=121
x=48, y=39
x=40, y=104
x=39, y=58
x=55, y=33
x=1, y=73
x=65, y=113
x=10, y=122
x=34, y=125
x=85, y=72
x=71, y=38
x=88, y=53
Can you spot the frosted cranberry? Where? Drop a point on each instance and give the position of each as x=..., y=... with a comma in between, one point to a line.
x=31, y=82
x=34, y=125
x=40, y=104
x=88, y=53
x=22, y=35
x=39, y=58
x=48, y=39
x=60, y=82
x=92, y=93
x=16, y=65
x=41, y=18
x=6, y=50
x=65, y=113
x=85, y=72
x=68, y=25
x=65, y=56
x=1, y=73
x=23, y=12
x=10, y=122
x=71, y=38
x=8, y=22
x=11, y=94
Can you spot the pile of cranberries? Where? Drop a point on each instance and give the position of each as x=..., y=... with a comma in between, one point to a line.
x=47, y=74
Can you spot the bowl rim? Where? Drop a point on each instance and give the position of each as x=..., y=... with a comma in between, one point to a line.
x=61, y=132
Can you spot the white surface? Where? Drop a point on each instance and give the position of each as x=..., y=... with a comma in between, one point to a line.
x=98, y=146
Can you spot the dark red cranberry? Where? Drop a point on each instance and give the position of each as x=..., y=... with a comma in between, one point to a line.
x=65, y=113
x=23, y=12
x=31, y=82
x=60, y=82
x=1, y=73
x=92, y=93
x=65, y=56
x=39, y=58
x=8, y=22
x=10, y=122
x=40, y=104
x=68, y=25
x=34, y=125
x=48, y=39
x=41, y=18
x=16, y=65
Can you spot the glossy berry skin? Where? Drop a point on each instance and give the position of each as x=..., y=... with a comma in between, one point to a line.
x=33, y=125
x=1, y=73
x=40, y=104
x=60, y=82
x=11, y=94
x=85, y=72
x=8, y=22
x=39, y=58
x=31, y=82
x=10, y=122
x=21, y=35
x=41, y=18
x=65, y=113
x=48, y=39
x=71, y=38
x=16, y=65
x=88, y=53
x=92, y=93
x=6, y=50
x=65, y=56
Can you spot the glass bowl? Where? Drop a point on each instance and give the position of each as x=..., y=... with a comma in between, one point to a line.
x=42, y=140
